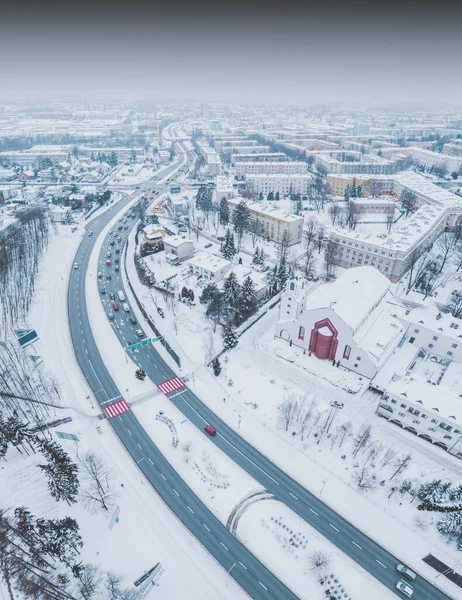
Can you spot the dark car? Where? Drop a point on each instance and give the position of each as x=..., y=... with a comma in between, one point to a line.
x=112, y=296
x=103, y=290
x=116, y=268
x=220, y=239
x=117, y=250
x=133, y=320
x=116, y=261
x=108, y=277
x=112, y=242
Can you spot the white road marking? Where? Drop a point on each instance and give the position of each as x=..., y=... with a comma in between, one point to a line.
x=86, y=350
x=150, y=461
x=228, y=442
x=263, y=586
x=293, y=496
x=381, y=564
x=191, y=509
x=129, y=431
x=224, y=547
x=357, y=545
x=205, y=526
x=313, y=511
x=333, y=527
x=177, y=493
x=242, y=565
x=163, y=477
x=139, y=446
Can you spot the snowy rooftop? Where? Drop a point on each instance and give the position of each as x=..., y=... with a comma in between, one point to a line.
x=268, y=210
x=429, y=317
x=430, y=397
x=176, y=240
x=224, y=182
x=242, y=272
x=352, y=296
x=209, y=262
x=280, y=176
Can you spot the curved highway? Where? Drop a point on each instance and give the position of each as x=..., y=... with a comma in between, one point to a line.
x=248, y=572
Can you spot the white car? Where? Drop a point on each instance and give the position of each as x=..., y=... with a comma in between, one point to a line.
x=405, y=589
x=76, y=265
x=405, y=571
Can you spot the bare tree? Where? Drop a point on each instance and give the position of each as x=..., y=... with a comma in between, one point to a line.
x=445, y=246
x=402, y=464
x=329, y=259
x=319, y=561
x=98, y=493
x=416, y=265
x=308, y=261
x=388, y=457
x=373, y=452
x=408, y=201
x=115, y=590
x=311, y=225
x=344, y=432
x=374, y=187
x=90, y=578
x=320, y=237
x=364, y=478
x=362, y=439
x=288, y=410
x=390, y=219
x=303, y=419
x=334, y=211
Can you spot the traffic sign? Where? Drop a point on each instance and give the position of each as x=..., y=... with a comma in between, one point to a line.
x=145, y=342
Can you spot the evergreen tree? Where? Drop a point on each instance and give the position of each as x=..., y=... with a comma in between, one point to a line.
x=216, y=366
x=282, y=275
x=191, y=295
x=224, y=212
x=256, y=257
x=248, y=299
x=348, y=193
x=277, y=197
x=359, y=191
x=230, y=338
x=232, y=289
x=241, y=218
x=201, y=197
x=60, y=538
x=63, y=482
x=228, y=249
x=299, y=205
x=260, y=196
x=112, y=160
x=208, y=293
x=262, y=258
x=270, y=196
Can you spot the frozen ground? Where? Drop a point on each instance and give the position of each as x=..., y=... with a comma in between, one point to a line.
x=286, y=544
x=147, y=532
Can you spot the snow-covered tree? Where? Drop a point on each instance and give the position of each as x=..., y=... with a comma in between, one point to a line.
x=230, y=338
x=62, y=473
x=241, y=218
x=216, y=366
x=232, y=289
x=248, y=301
x=228, y=248
x=224, y=212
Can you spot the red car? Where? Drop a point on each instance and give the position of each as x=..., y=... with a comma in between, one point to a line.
x=115, y=306
x=108, y=263
x=210, y=430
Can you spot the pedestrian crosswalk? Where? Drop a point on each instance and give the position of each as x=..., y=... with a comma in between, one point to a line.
x=170, y=385
x=116, y=409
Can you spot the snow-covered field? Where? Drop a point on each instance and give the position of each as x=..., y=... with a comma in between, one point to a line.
x=294, y=551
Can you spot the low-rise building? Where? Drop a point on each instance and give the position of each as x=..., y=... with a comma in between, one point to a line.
x=164, y=157
x=177, y=249
x=154, y=234
x=260, y=280
x=259, y=157
x=123, y=154
x=224, y=188
x=209, y=267
x=272, y=222
x=426, y=411
x=361, y=206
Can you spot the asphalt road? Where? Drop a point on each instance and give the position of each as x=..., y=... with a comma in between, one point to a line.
x=366, y=552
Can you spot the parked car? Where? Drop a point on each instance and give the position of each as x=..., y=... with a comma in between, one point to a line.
x=220, y=238
x=110, y=316
x=336, y=404
x=405, y=589
x=76, y=265
x=210, y=430
x=133, y=320
x=208, y=245
x=406, y=572
x=90, y=233
x=139, y=333
x=115, y=306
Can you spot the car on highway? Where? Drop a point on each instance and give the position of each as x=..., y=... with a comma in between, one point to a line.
x=103, y=290
x=111, y=243
x=90, y=233
x=406, y=571
x=110, y=316
x=108, y=263
x=117, y=261
x=117, y=268
x=139, y=333
x=119, y=227
x=108, y=277
x=208, y=245
x=115, y=306
x=112, y=296
x=100, y=275
x=108, y=255
x=405, y=589
x=117, y=250
x=210, y=430
x=76, y=265
x=110, y=233
x=119, y=239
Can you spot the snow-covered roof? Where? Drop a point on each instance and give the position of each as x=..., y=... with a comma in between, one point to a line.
x=209, y=262
x=428, y=317
x=352, y=296
x=430, y=397
x=176, y=240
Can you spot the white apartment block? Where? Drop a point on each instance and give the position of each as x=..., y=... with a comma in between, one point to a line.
x=244, y=169
x=209, y=267
x=426, y=411
x=428, y=160
x=371, y=164
x=123, y=154
x=245, y=149
x=30, y=158
x=453, y=149
x=260, y=157
x=284, y=184
x=273, y=222
x=390, y=253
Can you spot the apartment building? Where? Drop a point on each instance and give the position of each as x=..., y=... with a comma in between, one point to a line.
x=428, y=160
x=243, y=169
x=123, y=154
x=259, y=157
x=372, y=206
x=370, y=164
x=245, y=149
x=338, y=184
x=453, y=149
x=29, y=158
x=284, y=184
x=425, y=410
x=273, y=223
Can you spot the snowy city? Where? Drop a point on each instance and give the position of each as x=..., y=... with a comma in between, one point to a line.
x=230, y=320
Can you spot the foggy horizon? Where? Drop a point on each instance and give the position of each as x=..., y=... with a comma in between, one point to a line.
x=321, y=52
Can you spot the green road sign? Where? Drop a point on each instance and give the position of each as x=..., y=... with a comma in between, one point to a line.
x=145, y=342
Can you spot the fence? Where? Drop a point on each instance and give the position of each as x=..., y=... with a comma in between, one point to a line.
x=148, y=318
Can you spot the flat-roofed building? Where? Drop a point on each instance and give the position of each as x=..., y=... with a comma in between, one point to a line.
x=209, y=267
x=284, y=184
x=177, y=249
x=243, y=169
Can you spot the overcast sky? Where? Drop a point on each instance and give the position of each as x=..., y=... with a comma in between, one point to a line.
x=324, y=51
